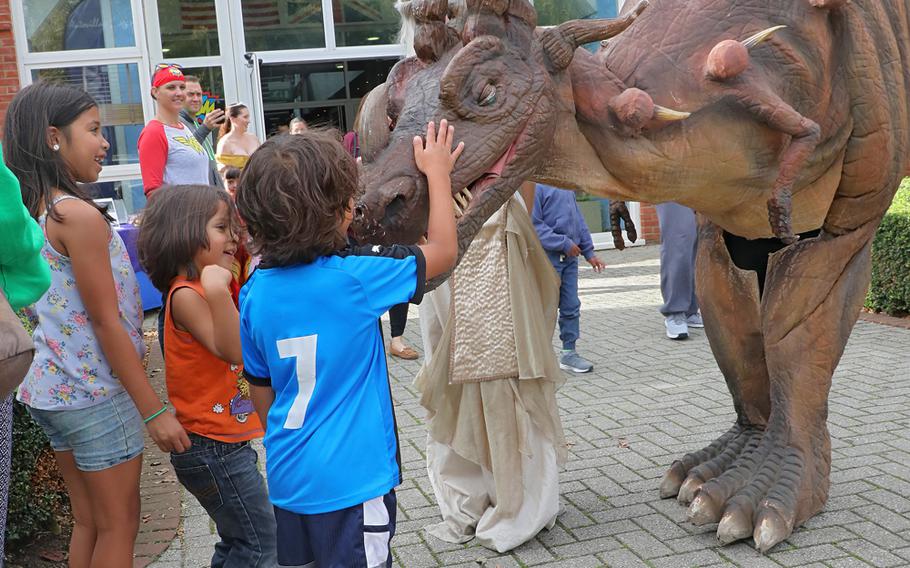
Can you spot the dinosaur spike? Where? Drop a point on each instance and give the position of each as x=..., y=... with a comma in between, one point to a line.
x=761, y=36
x=670, y=115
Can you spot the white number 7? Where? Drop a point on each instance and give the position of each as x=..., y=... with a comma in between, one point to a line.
x=304, y=350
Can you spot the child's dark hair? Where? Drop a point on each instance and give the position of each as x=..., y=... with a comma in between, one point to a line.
x=231, y=172
x=173, y=230
x=294, y=193
x=25, y=149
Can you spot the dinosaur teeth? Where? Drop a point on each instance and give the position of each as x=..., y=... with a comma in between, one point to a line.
x=460, y=200
x=458, y=210
x=467, y=194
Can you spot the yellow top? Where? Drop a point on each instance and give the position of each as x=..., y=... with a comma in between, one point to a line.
x=236, y=160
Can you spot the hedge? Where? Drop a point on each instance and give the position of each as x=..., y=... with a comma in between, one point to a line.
x=37, y=491
x=890, y=288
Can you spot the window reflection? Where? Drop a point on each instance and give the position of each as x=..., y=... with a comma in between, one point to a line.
x=63, y=25
x=282, y=24
x=323, y=94
x=365, y=22
x=554, y=12
x=189, y=28
x=116, y=89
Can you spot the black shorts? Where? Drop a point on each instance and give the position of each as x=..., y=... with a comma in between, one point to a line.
x=356, y=537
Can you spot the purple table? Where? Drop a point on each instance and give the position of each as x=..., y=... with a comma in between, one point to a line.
x=151, y=297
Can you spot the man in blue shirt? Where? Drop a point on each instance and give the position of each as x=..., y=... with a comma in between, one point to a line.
x=564, y=236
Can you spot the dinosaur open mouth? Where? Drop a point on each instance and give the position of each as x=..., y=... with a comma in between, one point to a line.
x=465, y=198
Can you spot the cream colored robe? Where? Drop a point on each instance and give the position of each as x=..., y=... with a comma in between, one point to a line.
x=495, y=440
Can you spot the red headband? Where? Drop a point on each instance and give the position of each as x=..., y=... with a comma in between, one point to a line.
x=166, y=75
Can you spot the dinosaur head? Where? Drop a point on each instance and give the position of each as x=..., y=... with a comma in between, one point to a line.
x=484, y=72
x=485, y=68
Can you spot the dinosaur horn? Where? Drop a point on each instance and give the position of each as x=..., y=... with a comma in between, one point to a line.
x=560, y=42
x=761, y=36
x=729, y=57
x=670, y=115
x=425, y=21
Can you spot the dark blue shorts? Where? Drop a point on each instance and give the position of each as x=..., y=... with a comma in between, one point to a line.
x=356, y=537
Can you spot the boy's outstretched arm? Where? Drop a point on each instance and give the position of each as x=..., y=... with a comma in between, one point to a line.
x=436, y=160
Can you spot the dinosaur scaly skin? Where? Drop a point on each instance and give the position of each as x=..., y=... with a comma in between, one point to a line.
x=804, y=129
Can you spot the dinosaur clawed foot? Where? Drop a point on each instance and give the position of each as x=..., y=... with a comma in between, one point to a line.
x=748, y=481
x=780, y=215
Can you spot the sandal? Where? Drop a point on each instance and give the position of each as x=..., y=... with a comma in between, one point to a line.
x=406, y=353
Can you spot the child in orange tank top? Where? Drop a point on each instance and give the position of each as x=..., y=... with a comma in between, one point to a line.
x=187, y=244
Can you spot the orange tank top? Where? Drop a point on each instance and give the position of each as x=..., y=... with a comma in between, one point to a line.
x=210, y=395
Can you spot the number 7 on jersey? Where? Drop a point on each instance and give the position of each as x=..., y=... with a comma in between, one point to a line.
x=304, y=350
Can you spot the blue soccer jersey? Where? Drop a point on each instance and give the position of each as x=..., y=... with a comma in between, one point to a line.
x=311, y=331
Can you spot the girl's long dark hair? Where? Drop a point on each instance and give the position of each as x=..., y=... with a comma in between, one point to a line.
x=232, y=112
x=25, y=149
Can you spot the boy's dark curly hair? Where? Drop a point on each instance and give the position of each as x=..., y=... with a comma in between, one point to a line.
x=294, y=193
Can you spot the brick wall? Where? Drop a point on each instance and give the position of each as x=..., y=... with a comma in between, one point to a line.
x=649, y=229
x=9, y=72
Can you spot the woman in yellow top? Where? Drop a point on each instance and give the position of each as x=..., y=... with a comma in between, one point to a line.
x=235, y=144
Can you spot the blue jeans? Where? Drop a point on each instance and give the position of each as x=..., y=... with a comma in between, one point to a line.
x=225, y=480
x=569, y=304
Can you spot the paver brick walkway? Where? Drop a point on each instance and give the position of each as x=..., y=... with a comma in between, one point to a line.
x=648, y=401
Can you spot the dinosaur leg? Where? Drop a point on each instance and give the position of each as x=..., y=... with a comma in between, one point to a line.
x=729, y=299
x=813, y=292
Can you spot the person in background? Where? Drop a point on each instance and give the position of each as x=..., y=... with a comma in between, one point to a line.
x=24, y=278
x=565, y=236
x=86, y=387
x=202, y=131
x=231, y=178
x=235, y=143
x=398, y=314
x=187, y=244
x=319, y=380
x=678, y=241
x=298, y=125
x=169, y=153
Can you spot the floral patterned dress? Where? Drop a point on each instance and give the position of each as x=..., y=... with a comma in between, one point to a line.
x=69, y=370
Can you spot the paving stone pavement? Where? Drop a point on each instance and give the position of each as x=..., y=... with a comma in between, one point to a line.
x=648, y=401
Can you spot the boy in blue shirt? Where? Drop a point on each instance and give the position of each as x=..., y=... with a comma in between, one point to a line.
x=312, y=344
x=564, y=236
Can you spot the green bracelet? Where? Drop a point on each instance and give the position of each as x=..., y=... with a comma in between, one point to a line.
x=156, y=415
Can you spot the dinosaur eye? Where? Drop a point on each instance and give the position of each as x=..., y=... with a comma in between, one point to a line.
x=488, y=95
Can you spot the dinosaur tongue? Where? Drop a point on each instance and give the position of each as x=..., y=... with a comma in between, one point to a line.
x=493, y=173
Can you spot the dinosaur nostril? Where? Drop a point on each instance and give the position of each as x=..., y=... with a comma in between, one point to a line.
x=395, y=206
x=358, y=213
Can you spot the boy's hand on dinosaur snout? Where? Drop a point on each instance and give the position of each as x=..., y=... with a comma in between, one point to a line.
x=436, y=157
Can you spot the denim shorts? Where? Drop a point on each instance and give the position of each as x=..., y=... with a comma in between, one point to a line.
x=100, y=436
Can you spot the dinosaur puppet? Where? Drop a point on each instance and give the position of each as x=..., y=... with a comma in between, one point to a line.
x=789, y=142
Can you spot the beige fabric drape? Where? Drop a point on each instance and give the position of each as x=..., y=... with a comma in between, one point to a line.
x=501, y=425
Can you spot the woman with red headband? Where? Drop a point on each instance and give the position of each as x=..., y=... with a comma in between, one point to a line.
x=169, y=154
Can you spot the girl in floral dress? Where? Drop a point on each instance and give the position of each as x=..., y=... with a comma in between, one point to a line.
x=86, y=386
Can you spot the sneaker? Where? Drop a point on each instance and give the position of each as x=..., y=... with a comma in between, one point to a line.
x=676, y=326
x=695, y=321
x=572, y=361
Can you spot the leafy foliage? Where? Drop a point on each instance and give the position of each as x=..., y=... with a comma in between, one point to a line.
x=36, y=490
x=890, y=288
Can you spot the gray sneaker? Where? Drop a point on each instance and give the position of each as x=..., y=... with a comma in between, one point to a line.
x=676, y=326
x=695, y=321
x=572, y=361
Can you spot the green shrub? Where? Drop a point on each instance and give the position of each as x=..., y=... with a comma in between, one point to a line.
x=890, y=288
x=36, y=491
